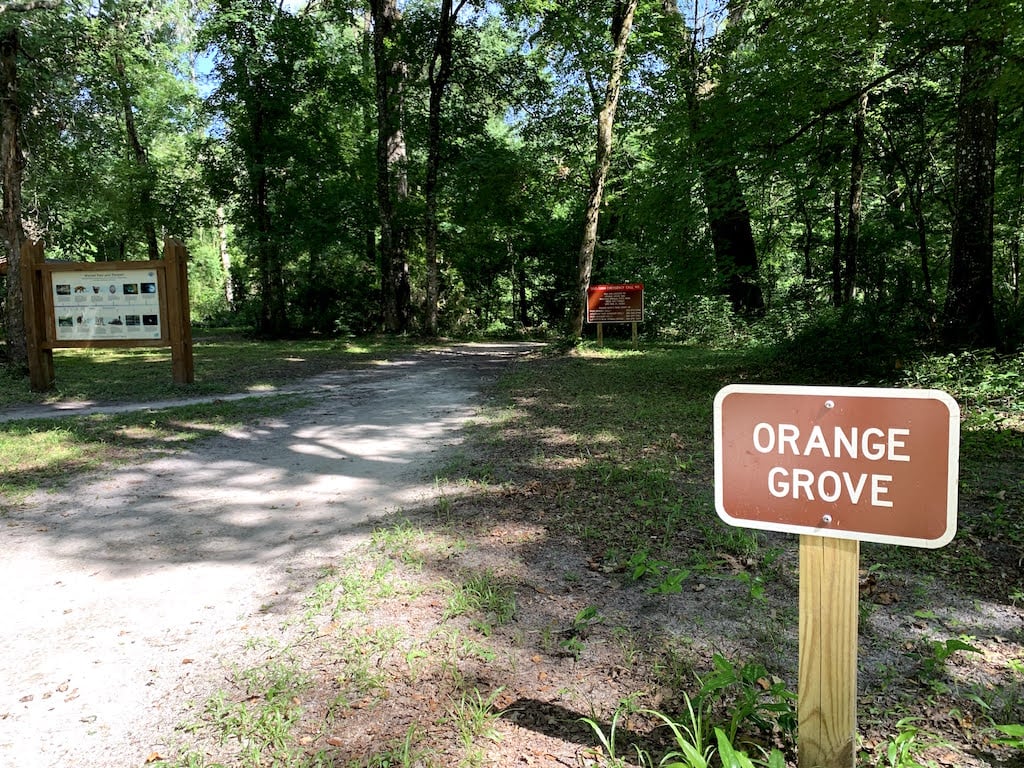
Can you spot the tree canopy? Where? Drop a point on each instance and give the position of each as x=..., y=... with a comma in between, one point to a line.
x=429, y=166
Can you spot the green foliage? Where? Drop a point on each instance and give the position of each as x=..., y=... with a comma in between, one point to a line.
x=607, y=740
x=933, y=660
x=485, y=595
x=262, y=722
x=692, y=747
x=856, y=345
x=475, y=717
x=901, y=751
x=751, y=697
x=1012, y=736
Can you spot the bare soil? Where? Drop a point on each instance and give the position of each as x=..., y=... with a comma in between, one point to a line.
x=136, y=594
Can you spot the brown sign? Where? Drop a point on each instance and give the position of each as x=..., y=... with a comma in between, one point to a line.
x=876, y=465
x=623, y=303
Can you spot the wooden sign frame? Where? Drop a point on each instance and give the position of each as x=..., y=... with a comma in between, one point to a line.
x=171, y=277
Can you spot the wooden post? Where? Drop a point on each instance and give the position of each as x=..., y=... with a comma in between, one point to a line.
x=179, y=322
x=600, y=334
x=827, y=689
x=40, y=356
x=634, y=336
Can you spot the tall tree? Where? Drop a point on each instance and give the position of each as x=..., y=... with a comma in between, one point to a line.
x=620, y=28
x=260, y=50
x=13, y=161
x=970, y=309
x=710, y=110
x=139, y=153
x=12, y=165
x=439, y=72
x=391, y=71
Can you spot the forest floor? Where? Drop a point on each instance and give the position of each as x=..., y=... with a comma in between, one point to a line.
x=398, y=573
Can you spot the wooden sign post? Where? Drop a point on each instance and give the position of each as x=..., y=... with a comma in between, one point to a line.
x=838, y=466
x=40, y=355
x=827, y=687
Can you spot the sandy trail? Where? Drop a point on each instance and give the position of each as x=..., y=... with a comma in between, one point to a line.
x=128, y=593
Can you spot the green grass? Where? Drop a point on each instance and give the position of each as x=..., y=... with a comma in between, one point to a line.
x=485, y=597
x=629, y=432
x=224, y=363
x=41, y=453
x=44, y=453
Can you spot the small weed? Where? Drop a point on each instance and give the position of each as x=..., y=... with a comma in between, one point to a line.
x=754, y=585
x=672, y=582
x=483, y=594
x=402, y=541
x=692, y=748
x=573, y=646
x=751, y=696
x=406, y=753
x=1013, y=736
x=262, y=723
x=902, y=750
x=610, y=757
x=933, y=660
x=475, y=717
x=585, y=619
x=641, y=564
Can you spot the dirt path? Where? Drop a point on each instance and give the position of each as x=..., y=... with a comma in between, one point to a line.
x=126, y=593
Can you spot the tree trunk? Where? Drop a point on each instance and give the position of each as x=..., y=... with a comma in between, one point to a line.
x=272, y=320
x=732, y=235
x=13, y=162
x=225, y=256
x=851, y=245
x=141, y=158
x=1017, y=223
x=438, y=74
x=837, y=247
x=622, y=24
x=392, y=180
x=969, y=310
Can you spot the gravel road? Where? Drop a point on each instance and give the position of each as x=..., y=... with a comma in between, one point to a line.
x=128, y=593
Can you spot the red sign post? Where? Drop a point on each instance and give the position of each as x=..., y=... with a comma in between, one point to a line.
x=839, y=466
x=620, y=303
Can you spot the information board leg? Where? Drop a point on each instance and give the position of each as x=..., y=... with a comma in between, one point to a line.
x=827, y=692
x=600, y=334
x=40, y=357
x=634, y=336
x=179, y=321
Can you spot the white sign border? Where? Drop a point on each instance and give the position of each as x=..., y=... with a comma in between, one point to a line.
x=953, y=459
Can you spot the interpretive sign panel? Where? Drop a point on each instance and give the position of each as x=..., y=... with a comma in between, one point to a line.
x=106, y=304
x=876, y=465
x=622, y=303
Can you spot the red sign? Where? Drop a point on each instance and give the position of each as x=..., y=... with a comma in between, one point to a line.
x=622, y=303
x=876, y=465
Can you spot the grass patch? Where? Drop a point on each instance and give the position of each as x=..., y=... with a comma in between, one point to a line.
x=224, y=363
x=46, y=453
